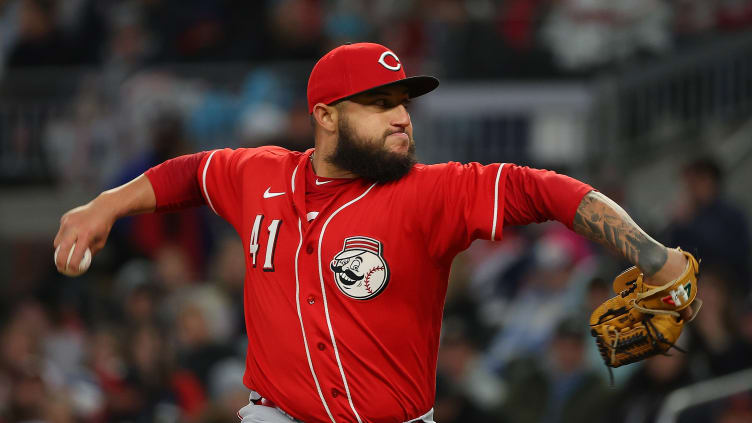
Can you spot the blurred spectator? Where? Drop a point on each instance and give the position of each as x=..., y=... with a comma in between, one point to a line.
x=226, y=390
x=454, y=406
x=552, y=289
x=462, y=366
x=710, y=226
x=561, y=388
x=228, y=273
x=642, y=396
x=495, y=271
x=82, y=144
x=148, y=395
x=204, y=329
x=744, y=324
x=190, y=30
x=734, y=14
x=695, y=17
x=738, y=409
x=39, y=41
x=519, y=24
x=129, y=43
x=715, y=347
x=584, y=34
x=107, y=359
x=9, y=20
x=296, y=30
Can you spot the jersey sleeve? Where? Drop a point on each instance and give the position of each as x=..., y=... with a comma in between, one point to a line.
x=220, y=178
x=174, y=183
x=537, y=195
x=472, y=201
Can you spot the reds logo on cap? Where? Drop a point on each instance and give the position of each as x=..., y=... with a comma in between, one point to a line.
x=353, y=69
x=383, y=57
x=359, y=269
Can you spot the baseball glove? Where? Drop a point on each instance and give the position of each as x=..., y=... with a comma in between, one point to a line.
x=642, y=320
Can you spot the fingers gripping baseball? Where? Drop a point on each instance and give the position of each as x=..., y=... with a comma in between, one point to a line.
x=83, y=232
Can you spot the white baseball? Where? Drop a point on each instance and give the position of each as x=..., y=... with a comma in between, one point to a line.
x=83, y=266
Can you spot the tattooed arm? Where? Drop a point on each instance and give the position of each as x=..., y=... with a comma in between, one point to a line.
x=600, y=219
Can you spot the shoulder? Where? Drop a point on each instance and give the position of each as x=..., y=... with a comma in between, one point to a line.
x=434, y=178
x=455, y=169
x=267, y=154
x=431, y=170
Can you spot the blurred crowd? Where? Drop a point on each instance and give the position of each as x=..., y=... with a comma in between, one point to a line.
x=428, y=34
x=154, y=331
x=135, y=59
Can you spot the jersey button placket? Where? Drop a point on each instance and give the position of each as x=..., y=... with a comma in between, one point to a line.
x=311, y=300
x=309, y=248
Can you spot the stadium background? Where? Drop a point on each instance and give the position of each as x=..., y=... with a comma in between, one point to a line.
x=648, y=100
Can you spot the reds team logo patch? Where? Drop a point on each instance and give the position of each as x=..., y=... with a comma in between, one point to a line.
x=359, y=269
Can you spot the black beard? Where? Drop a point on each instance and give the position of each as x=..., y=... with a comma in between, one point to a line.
x=364, y=159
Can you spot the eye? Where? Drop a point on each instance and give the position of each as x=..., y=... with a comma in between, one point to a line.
x=382, y=102
x=355, y=264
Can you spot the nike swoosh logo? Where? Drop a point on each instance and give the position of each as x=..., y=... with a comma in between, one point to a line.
x=268, y=194
x=321, y=183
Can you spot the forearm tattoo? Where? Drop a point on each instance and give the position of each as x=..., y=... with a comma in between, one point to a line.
x=600, y=219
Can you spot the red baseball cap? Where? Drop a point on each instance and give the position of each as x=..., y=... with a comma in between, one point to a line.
x=353, y=69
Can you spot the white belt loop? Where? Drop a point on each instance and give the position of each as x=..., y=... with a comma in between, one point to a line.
x=255, y=412
x=426, y=418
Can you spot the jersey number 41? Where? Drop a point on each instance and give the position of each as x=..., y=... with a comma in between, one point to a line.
x=271, y=243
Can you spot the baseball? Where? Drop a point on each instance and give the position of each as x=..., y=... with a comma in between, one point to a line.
x=83, y=266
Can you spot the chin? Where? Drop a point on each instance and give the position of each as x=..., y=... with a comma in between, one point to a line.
x=400, y=151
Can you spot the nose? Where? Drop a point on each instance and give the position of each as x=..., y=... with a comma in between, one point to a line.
x=400, y=117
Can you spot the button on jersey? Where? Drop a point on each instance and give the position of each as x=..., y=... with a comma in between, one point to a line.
x=343, y=312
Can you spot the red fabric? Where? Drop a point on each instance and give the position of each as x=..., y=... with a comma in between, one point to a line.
x=350, y=69
x=191, y=395
x=427, y=217
x=175, y=183
x=517, y=23
x=535, y=195
x=320, y=190
x=397, y=240
x=152, y=232
x=354, y=68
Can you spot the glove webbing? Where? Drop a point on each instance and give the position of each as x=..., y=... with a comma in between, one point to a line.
x=653, y=339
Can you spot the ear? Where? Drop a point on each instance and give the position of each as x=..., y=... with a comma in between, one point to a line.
x=326, y=116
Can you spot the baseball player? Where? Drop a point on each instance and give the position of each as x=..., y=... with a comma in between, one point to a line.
x=348, y=245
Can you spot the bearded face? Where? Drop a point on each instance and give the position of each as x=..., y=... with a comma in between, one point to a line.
x=368, y=157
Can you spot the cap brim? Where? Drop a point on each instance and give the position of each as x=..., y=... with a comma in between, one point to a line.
x=416, y=86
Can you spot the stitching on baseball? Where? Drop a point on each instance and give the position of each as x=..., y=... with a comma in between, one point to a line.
x=368, y=278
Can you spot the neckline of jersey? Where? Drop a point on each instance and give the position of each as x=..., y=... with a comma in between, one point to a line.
x=311, y=179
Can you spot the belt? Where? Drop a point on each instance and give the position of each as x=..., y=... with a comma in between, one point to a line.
x=256, y=399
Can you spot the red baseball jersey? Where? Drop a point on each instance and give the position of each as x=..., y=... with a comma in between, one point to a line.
x=344, y=290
